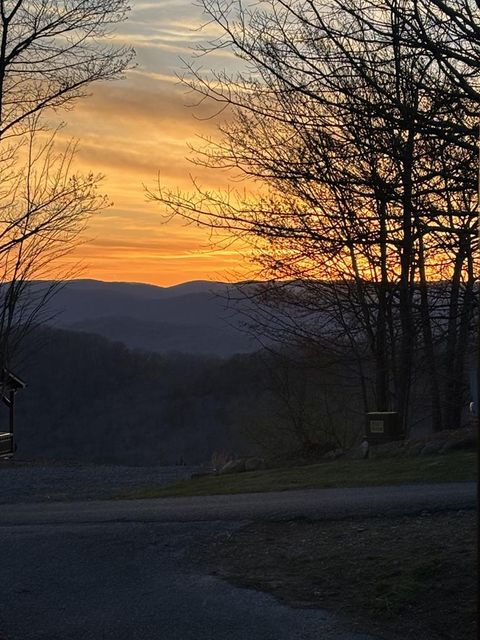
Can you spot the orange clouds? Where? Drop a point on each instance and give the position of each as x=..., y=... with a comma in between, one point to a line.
x=134, y=131
x=165, y=260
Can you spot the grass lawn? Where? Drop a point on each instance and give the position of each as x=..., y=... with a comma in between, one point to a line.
x=459, y=466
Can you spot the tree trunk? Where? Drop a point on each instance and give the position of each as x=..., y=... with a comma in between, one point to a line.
x=428, y=342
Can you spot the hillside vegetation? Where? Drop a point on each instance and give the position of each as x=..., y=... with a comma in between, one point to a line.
x=454, y=467
x=89, y=399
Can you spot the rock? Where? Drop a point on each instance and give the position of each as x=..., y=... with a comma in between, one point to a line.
x=254, y=464
x=465, y=442
x=387, y=450
x=443, y=442
x=234, y=466
x=220, y=459
x=359, y=453
x=414, y=448
x=333, y=455
x=431, y=448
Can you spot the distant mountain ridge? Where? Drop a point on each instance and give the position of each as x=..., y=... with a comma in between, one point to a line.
x=195, y=317
x=146, y=290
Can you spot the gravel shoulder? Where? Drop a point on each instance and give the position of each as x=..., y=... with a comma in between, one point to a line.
x=37, y=482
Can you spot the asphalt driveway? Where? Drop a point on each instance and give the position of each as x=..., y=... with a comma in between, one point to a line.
x=122, y=570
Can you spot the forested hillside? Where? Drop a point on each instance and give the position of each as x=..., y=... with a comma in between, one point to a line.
x=94, y=400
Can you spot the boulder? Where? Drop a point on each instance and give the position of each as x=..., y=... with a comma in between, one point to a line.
x=437, y=443
x=254, y=464
x=414, y=448
x=333, y=455
x=234, y=466
x=432, y=447
x=466, y=443
x=388, y=449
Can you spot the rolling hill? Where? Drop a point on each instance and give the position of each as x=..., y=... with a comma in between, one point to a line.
x=194, y=317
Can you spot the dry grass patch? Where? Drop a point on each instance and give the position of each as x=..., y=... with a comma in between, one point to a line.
x=454, y=467
x=410, y=577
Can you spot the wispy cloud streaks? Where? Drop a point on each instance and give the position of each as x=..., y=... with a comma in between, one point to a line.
x=135, y=130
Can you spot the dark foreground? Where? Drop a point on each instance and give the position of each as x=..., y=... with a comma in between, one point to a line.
x=140, y=570
x=136, y=581
x=411, y=577
x=22, y=481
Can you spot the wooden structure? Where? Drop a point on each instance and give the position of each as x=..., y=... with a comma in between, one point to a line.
x=383, y=427
x=10, y=384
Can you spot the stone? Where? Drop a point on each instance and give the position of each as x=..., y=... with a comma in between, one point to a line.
x=234, y=466
x=467, y=442
x=431, y=448
x=414, y=448
x=254, y=464
x=387, y=450
x=333, y=455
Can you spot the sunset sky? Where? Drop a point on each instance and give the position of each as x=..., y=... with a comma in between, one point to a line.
x=131, y=130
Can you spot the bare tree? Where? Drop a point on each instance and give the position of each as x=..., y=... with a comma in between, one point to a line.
x=450, y=33
x=44, y=206
x=366, y=201
x=50, y=54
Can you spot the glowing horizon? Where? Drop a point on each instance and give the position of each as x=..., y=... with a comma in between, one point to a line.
x=132, y=131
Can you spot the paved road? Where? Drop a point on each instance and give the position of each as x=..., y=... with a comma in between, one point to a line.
x=122, y=571
x=309, y=503
x=133, y=581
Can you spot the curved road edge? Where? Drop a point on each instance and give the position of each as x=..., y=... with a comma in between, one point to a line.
x=315, y=504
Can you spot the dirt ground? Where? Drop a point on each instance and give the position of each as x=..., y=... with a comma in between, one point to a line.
x=409, y=577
